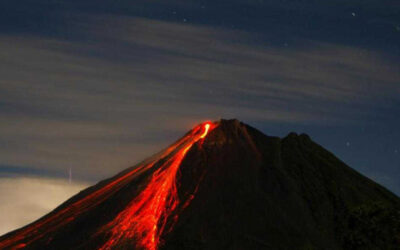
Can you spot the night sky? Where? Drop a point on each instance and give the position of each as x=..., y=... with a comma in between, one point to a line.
x=94, y=87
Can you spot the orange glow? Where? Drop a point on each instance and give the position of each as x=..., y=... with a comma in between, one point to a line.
x=206, y=128
x=145, y=217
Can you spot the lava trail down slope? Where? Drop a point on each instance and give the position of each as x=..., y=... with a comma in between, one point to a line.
x=225, y=185
x=143, y=219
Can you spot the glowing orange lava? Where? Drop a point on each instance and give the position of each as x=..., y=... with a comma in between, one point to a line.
x=206, y=128
x=145, y=217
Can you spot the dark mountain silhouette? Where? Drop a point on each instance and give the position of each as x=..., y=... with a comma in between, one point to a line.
x=225, y=185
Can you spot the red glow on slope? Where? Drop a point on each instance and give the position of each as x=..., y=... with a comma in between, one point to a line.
x=206, y=128
x=146, y=216
x=62, y=216
x=149, y=211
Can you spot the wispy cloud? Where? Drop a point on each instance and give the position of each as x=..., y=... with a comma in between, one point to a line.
x=134, y=84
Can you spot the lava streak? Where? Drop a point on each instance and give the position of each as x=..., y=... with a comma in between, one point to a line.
x=145, y=217
x=61, y=217
x=206, y=129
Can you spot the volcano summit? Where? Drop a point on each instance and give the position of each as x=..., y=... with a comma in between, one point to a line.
x=225, y=185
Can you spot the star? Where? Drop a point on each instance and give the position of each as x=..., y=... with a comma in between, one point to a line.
x=348, y=144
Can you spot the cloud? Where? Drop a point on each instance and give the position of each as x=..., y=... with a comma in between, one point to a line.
x=133, y=85
x=25, y=199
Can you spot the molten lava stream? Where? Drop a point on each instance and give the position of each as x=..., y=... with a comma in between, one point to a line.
x=50, y=223
x=145, y=217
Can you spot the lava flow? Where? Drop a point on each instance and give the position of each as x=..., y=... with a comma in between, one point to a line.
x=145, y=218
x=65, y=215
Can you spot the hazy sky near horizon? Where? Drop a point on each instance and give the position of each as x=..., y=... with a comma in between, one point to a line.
x=97, y=86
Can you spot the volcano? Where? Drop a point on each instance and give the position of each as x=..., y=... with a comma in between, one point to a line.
x=225, y=185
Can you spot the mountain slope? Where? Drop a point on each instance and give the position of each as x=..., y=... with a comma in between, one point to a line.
x=225, y=185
